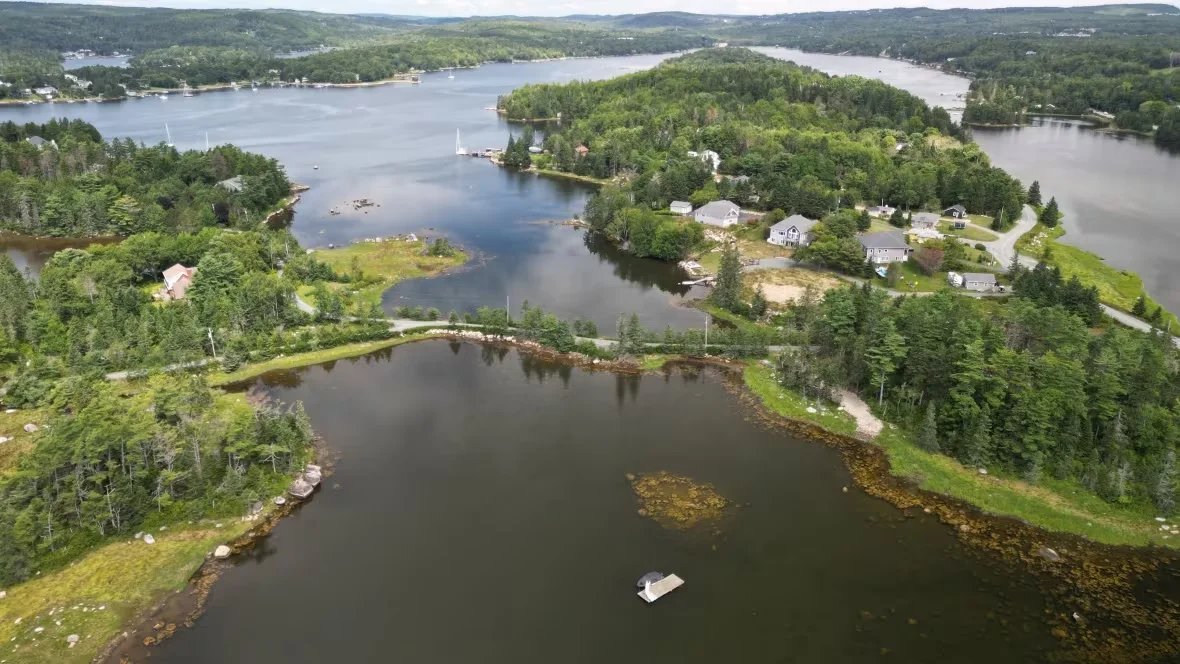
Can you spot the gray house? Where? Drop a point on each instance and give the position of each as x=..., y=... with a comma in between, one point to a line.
x=956, y=211
x=885, y=247
x=925, y=220
x=718, y=213
x=680, y=207
x=794, y=231
x=982, y=282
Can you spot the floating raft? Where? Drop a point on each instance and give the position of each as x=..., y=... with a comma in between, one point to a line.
x=661, y=588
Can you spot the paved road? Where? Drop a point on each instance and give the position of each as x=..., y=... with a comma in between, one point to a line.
x=1004, y=247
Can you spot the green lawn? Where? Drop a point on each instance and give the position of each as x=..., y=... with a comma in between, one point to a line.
x=915, y=281
x=971, y=232
x=314, y=357
x=1117, y=288
x=384, y=264
x=759, y=379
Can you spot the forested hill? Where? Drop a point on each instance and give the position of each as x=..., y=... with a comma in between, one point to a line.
x=62, y=27
x=806, y=141
x=1113, y=58
x=76, y=184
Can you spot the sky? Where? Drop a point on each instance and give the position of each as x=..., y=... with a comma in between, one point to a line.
x=567, y=7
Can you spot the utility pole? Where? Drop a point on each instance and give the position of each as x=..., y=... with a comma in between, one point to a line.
x=211, y=343
x=706, y=334
x=508, y=309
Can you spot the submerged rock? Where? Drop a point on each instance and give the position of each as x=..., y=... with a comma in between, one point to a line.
x=677, y=502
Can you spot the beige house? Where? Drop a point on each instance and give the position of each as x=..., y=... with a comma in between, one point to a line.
x=885, y=247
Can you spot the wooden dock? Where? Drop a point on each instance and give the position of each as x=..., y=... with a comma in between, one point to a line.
x=661, y=588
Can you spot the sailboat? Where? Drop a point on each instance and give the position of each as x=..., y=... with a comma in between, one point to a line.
x=206, y=141
x=187, y=92
x=169, y=132
x=459, y=149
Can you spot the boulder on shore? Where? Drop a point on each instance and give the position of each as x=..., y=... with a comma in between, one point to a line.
x=222, y=552
x=300, y=488
x=279, y=500
x=148, y=539
x=1049, y=554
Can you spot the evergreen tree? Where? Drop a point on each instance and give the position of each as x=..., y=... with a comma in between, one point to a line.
x=928, y=434
x=1165, y=486
x=897, y=219
x=1140, y=308
x=759, y=305
x=864, y=223
x=1051, y=215
x=1034, y=194
x=977, y=447
x=727, y=291
x=886, y=348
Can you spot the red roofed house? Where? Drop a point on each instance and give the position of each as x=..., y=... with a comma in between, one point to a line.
x=582, y=150
x=177, y=279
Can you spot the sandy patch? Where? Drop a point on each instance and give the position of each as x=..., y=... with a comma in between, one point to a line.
x=785, y=285
x=867, y=424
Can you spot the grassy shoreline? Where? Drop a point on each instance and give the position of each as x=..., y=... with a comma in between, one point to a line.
x=314, y=357
x=1053, y=505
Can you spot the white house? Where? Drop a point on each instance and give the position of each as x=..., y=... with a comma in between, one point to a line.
x=681, y=207
x=925, y=220
x=793, y=231
x=718, y=213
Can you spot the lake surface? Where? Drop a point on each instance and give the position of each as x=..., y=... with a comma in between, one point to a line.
x=395, y=145
x=30, y=254
x=480, y=512
x=98, y=60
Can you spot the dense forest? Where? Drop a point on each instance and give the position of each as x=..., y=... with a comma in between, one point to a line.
x=241, y=45
x=76, y=184
x=805, y=142
x=1025, y=386
x=1119, y=59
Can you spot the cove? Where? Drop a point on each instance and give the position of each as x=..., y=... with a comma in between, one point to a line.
x=480, y=511
x=395, y=145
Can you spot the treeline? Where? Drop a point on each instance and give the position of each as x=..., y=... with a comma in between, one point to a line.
x=1026, y=386
x=787, y=137
x=466, y=44
x=84, y=186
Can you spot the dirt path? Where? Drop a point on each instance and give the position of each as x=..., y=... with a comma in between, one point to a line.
x=867, y=424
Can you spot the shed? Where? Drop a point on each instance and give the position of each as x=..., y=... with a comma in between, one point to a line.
x=956, y=211
x=681, y=207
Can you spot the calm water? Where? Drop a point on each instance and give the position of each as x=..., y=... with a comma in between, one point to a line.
x=395, y=145
x=98, y=60
x=463, y=526
x=30, y=254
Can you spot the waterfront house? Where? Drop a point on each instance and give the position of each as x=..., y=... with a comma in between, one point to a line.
x=233, y=184
x=925, y=220
x=885, y=247
x=718, y=213
x=794, y=231
x=46, y=90
x=681, y=207
x=982, y=282
x=956, y=211
x=177, y=279
x=581, y=151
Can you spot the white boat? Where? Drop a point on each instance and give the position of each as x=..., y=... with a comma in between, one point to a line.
x=187, y=92
x=164, y=96
x=459, y=149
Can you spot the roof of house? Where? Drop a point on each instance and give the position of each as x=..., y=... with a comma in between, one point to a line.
x=681, y=204
x=581, y=148
x=36, y=140
x=958, y=207
x=741, y=179
x=926, y=217
x=796, y=220
x=883, y=240
x=986, y=277
x=232, y=184
x=174, y=273
x=719, y=209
